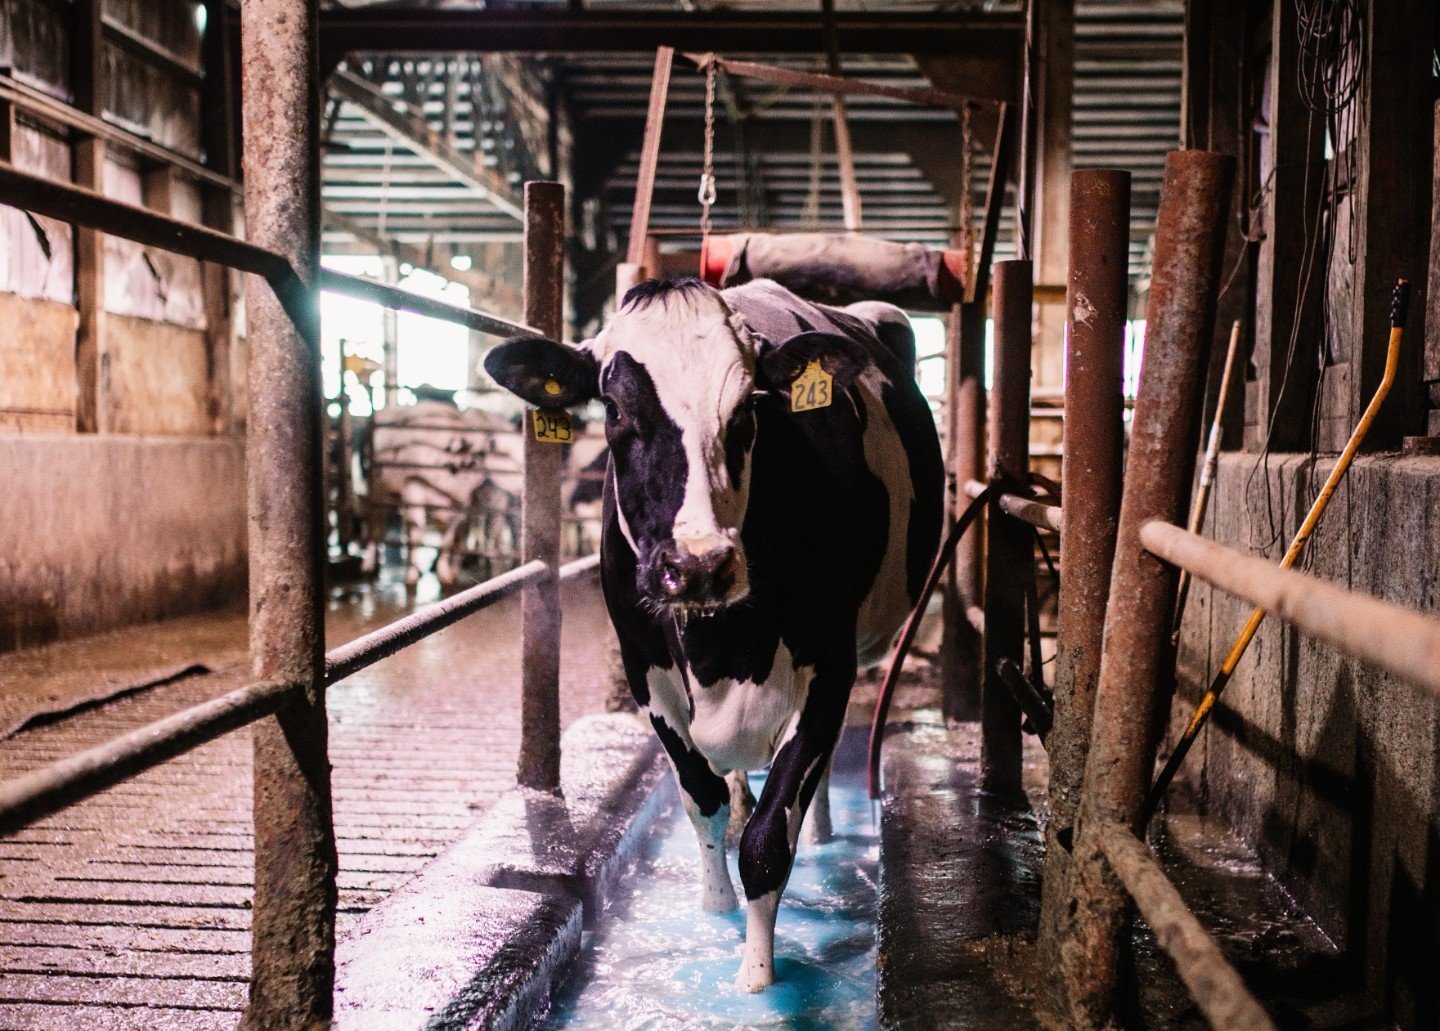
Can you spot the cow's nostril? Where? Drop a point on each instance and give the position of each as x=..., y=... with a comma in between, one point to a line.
x=672, y=579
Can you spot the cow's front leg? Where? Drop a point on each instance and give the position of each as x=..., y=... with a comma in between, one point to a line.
x=767, y=849
x=706, y=799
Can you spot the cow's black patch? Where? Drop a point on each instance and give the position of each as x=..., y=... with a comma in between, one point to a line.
x=706, y=788
x=648, y=457
x=646, y=292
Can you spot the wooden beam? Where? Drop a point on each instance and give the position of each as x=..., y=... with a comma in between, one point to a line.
x=413, y=132
x=1288, y=292
x=1054, y=92
x=1393, y=185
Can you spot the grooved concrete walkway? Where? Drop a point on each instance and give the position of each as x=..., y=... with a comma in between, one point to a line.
x=132, y=910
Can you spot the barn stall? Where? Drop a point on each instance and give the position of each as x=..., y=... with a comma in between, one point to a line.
x=1161, y=725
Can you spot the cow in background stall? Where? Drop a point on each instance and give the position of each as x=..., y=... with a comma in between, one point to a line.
x=772, y=505
x=458, y=472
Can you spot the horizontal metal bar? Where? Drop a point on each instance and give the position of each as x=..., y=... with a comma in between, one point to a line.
x=33, y=101
x=394, y=30
x=1214, y=985
x=578, y=566
x=370, y=648
x=925, y=96
x=1027, y=510
x=1393, y=638
x=70, y=203
x=1036, y=513
x=51, y=788
x=404, y=300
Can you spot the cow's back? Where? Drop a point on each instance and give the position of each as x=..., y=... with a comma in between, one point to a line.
x=895, y=500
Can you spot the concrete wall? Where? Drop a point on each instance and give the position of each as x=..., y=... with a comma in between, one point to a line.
x=1331, y=769
x=102, y=532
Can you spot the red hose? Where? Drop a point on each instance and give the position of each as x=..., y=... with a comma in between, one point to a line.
x=907, y=637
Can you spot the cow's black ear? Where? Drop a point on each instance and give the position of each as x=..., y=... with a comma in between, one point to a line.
x=544, y=373
x=840, y=356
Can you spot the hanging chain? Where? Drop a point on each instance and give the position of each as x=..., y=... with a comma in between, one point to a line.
x=967, y=198
x=707, y=174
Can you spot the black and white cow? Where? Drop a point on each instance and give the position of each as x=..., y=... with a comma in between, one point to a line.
x=752, y=555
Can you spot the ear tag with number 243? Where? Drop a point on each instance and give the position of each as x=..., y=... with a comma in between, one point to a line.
x=552, y=427
x=813, y=388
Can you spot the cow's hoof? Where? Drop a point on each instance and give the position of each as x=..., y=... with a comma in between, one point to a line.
x=754, y=977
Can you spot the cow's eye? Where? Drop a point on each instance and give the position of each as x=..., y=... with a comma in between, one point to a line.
x=612, y=410
x=745, y=408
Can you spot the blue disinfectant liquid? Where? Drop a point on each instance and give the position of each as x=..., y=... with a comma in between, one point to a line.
x=657, y=962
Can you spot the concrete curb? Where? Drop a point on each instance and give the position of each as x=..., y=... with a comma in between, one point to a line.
x=484, y=934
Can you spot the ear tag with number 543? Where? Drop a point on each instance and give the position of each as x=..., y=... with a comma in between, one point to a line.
x=552, y=427
x=813, y=388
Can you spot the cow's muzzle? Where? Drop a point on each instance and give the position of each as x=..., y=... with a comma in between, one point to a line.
x=697, y=575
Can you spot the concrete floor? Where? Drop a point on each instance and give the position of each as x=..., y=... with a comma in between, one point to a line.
x=131, y=910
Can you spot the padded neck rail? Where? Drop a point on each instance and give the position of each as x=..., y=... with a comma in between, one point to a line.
x=840, y=269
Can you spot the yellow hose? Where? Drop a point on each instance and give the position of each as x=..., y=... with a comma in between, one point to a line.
x=1297, y=545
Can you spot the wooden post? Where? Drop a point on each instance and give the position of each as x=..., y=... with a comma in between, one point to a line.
x=1056, y=26
x=1290, y=283
x=539, y=765
x=87, y=70
x=1009, y=547
x=293, y=921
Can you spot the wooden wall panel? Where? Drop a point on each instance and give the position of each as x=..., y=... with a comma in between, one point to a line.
x=37, y=365
x=35, y=45
x=25, y=267
x=144, y=281
x=154, y=378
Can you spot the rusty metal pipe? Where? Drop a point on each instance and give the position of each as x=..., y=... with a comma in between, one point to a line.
x=1094, y=441
x=43, y=792
x=1214, y=985
x=1008, y=542
x=1390, y=637
x=293, y=919
x=46, y=791
x=1027, y=510
x=401, y=299
x=539, y=764
x=1136, y=661
x=1027, y=696
x=370, y=648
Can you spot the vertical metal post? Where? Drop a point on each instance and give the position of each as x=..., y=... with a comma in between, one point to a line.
x=390, y=335
x=293, y=947
x=1189, y=241
x=1097, y=289
x=539, y=765
x=965, y=440
x=1008, y=544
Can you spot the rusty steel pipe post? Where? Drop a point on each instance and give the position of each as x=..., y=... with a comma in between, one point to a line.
x=293, y=922
x=1096, y=306
x=1008, y=545
x=1137, y=661
x=965, y=441
x=539, y=763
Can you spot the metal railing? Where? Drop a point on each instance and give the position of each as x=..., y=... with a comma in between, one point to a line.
x=293, y=914
x=1096, y=725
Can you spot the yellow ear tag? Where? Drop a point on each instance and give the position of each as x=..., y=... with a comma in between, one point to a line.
x=552, y=427
x=813, y=388
x=551, y=387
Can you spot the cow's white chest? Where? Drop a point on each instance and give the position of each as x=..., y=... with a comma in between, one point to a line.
x=739, y=724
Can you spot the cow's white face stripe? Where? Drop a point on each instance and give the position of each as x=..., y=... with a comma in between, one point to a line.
x=700, y=359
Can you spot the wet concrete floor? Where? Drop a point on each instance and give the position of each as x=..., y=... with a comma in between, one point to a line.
x=131, y=910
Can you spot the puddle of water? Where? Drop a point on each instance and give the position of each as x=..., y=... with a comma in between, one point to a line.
x=656, y=961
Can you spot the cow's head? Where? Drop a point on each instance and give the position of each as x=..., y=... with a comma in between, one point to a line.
x=677, y=371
